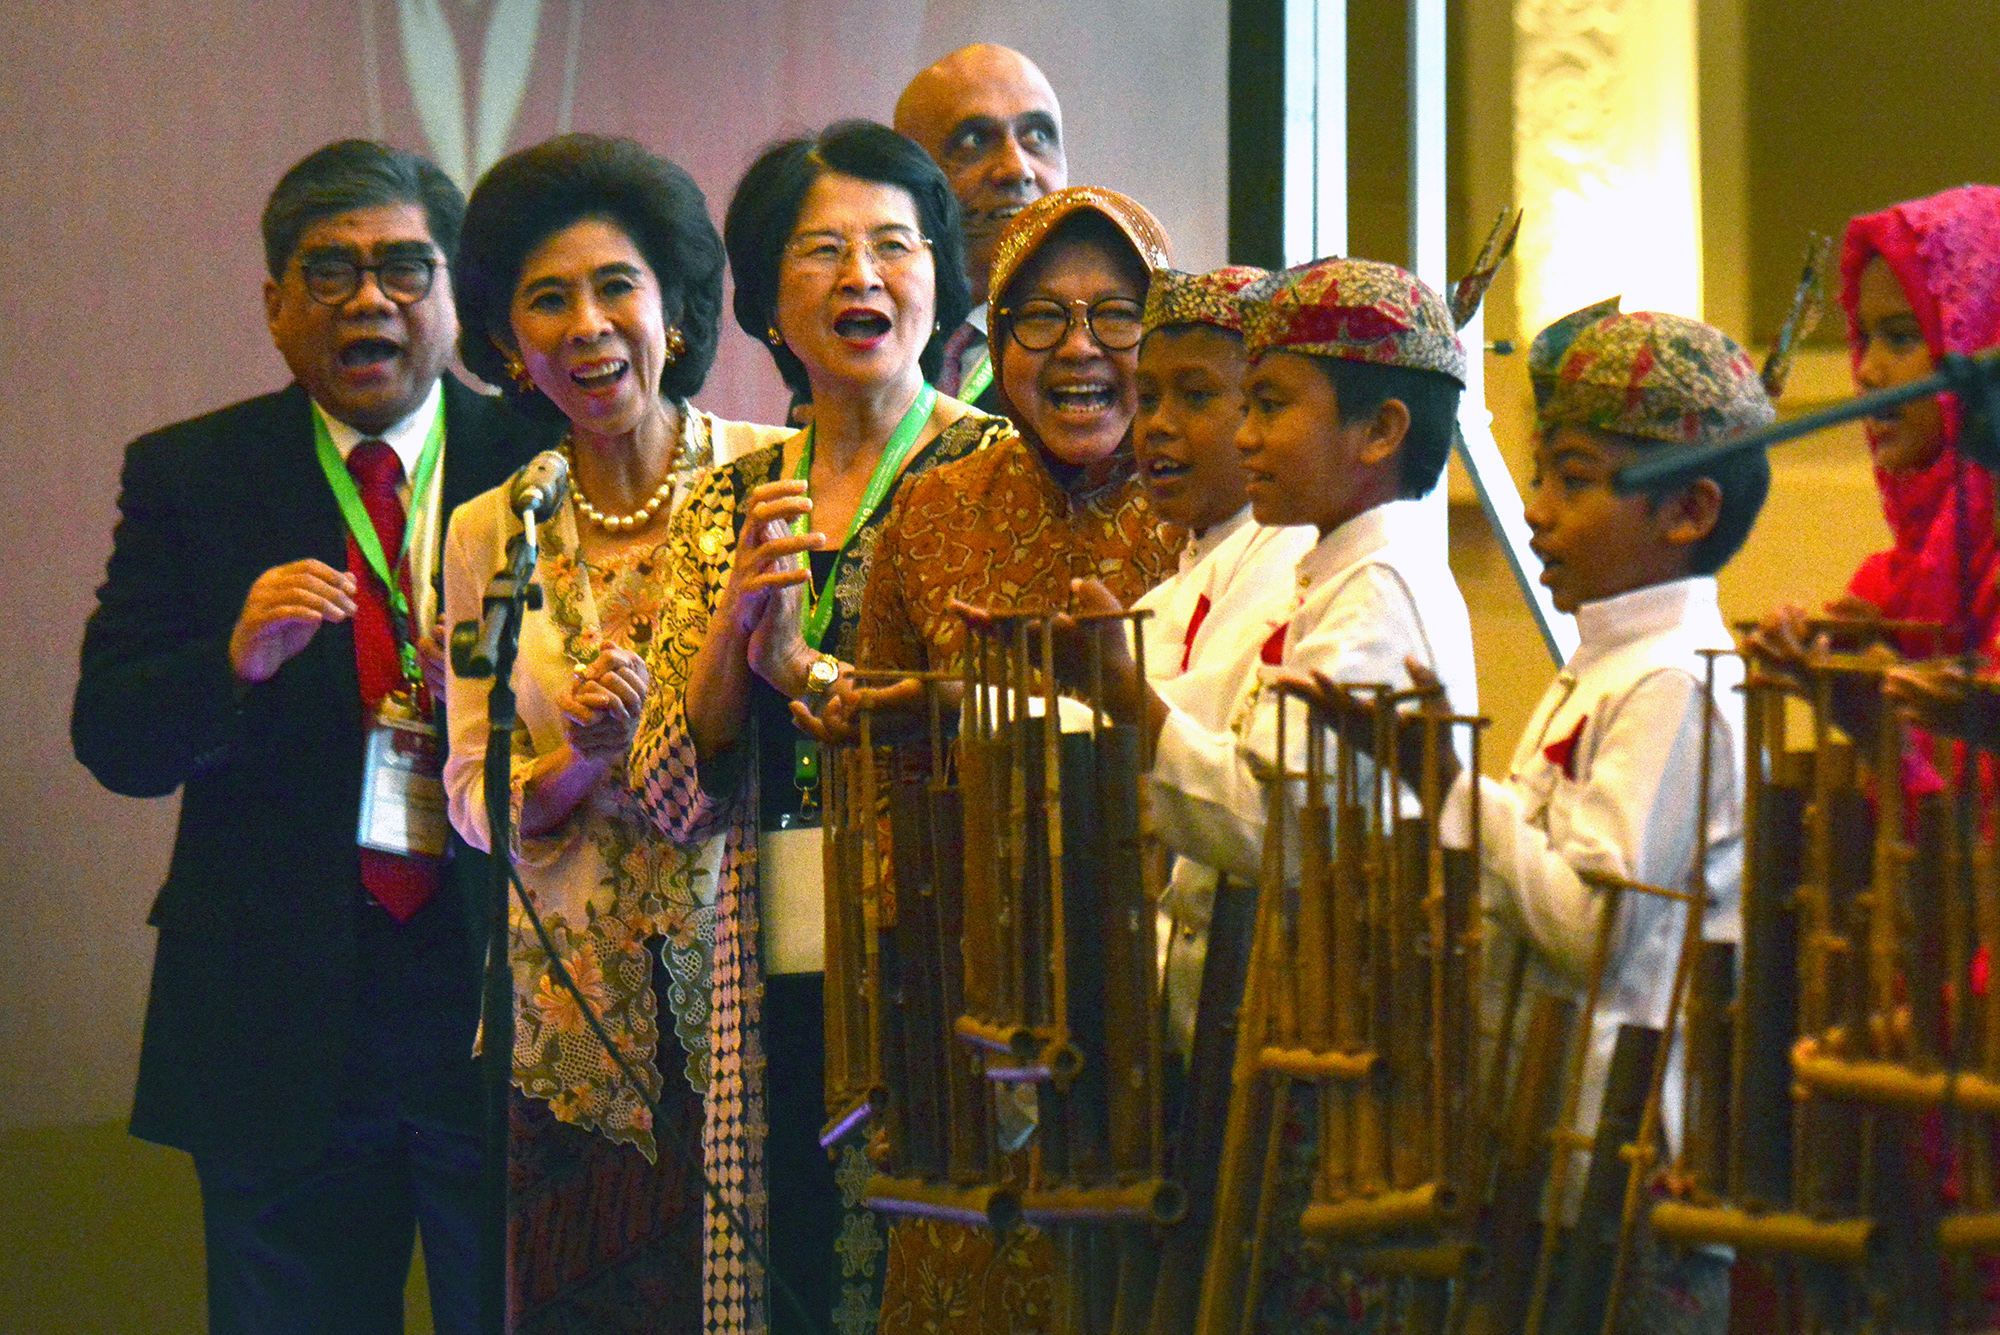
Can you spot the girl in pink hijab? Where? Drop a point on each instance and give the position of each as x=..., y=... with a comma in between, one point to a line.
x=1919, y=280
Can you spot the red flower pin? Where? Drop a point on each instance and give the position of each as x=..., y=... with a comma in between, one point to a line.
x=1564, y=752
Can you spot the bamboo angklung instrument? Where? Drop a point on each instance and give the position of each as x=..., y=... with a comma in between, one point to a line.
x=1872, y=958
x=995, y=1004
x=1358, y=1017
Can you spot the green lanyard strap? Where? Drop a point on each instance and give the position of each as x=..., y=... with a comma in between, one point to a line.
x=979, y=377
x=816, y=610
x=362, y=527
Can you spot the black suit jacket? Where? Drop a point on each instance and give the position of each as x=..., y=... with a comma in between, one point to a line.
x=249, y=1023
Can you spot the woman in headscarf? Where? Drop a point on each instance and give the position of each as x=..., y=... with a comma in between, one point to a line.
x=589, y=284
x=1010, y=527
x=1061, y=500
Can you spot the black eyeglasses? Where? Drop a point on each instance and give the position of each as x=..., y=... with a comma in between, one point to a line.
x=1042, y=324
x=332, y=280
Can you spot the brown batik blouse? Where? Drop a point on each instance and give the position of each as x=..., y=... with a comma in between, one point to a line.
x=998, y=529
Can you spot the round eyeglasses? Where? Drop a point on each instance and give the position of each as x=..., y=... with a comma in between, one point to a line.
x=1041, y=324
x=333, y=281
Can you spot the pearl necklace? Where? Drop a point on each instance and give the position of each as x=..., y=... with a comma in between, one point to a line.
x=642, y=516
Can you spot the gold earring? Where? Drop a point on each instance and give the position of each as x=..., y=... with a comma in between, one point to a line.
x=524, y=384
x=677, y=344
x=773, y=337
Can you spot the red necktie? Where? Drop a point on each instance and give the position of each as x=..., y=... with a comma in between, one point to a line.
x=400, y=884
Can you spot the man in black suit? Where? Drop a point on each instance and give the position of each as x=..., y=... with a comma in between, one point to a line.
x=309, y=1034
x=989, y=119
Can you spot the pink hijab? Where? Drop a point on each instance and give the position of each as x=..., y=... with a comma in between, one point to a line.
x=1945, y=252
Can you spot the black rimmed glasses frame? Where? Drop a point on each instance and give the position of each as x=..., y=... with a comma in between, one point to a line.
x=332, y=280
x=1042, y=323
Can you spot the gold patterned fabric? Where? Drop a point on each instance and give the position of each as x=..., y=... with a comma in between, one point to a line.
x=999, y=530
x=1355, y=311
x=1176, y=298
x=1032, y=226
x=689, y=805
x=955, y=1279
x=646, y=891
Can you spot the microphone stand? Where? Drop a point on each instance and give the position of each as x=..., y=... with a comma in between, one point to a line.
x=487, y=648
x=1975, y=379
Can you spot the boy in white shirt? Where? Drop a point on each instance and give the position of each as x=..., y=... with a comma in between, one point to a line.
x=1354, y=375
x=1351, y=407
x=1607, y=776
x=1235, y=576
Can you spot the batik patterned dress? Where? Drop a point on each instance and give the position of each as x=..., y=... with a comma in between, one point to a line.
x=605, y=1218
x=690, y=805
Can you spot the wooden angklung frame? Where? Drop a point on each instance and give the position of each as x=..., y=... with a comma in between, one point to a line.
x=995, y=1019
x=1851, y=1092
x=1432, y=1152
x=994, y=1012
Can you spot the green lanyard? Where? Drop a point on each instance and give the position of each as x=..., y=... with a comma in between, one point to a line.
x=979, y=377
x=362, y=527
x=817, y=609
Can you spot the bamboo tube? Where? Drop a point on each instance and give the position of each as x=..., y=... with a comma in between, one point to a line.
x=1429, y=1205
x=1229, y=1271
x=1821, y=1074
x=1766, y=1014
x=1199, y=1141
x=1565, y=1138
x=1842, y=1241
x=1158, y=1201
x=997, y=1207
x=1978, y=1234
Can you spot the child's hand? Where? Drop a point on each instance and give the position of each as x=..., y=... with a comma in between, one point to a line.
x=1946, y=699
x=1355, y=717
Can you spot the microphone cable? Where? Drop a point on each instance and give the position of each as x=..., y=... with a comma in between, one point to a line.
x=751, y=1244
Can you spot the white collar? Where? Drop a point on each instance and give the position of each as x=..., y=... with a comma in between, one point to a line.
x=1610, y=623
x=1366, y=533
x=406, y=438
x=1201, y=546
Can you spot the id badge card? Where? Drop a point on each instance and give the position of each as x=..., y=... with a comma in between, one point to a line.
x=402, y=784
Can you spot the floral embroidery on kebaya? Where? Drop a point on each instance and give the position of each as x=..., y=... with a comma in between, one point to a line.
x=647, y=892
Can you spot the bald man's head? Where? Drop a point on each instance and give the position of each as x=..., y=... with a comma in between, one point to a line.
x=991, y=121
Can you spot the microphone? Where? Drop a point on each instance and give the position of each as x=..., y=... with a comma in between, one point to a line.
x=540, y=486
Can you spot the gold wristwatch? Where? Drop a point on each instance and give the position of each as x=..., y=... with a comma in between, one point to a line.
x=821, y=676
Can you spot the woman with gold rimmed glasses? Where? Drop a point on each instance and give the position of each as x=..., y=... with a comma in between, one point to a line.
x=845, y=249
x=1010, y=527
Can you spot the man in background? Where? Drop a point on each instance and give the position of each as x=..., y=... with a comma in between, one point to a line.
x=262, y=643
x=989, y=119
